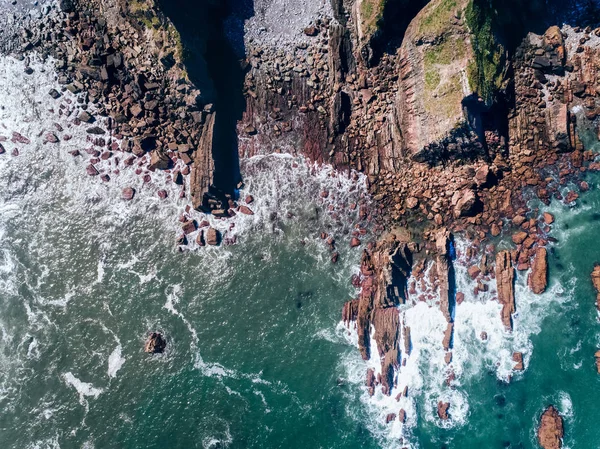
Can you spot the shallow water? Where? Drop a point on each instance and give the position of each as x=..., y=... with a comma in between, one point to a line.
x=256, y=355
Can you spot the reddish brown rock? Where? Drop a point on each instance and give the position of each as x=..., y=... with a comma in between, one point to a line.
x=474, y=271
x=597, y=356
x=91, y=170
x=548, y=218
x=447, y=341
x=538, y=278
x=550, y=431
x=390, y=417
x=596, y=282
x=412, y=202
x=189, y=227
x=350, y=312
x=460, y=297
x=442, y=243
x=442, y=410
x=354, y=242
x=246, y=210
x=465, y=202
x=518, y=359
x=213, y=237
x=519, y=237
x=505, y=277
x=402, y=416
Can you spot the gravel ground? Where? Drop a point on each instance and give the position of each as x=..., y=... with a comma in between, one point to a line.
x=17, y=15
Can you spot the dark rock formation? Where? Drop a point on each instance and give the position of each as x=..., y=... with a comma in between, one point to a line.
x=155, y=343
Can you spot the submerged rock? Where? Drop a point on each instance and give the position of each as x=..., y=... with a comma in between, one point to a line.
x=550, y=430
x=155, y=344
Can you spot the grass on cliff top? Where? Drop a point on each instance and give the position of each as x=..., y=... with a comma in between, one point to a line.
x=371, y=12
x=445, y=53
x=447, y=101
x=487, y=72
x=438, y=16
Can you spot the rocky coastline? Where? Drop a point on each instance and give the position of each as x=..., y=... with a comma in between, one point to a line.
x=448, y=148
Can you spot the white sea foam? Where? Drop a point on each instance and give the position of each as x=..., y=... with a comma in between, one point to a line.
x=425, y=372
x=115, y=361
x=84, y=389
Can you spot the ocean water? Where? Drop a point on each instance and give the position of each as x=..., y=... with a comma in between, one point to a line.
x=256, y=356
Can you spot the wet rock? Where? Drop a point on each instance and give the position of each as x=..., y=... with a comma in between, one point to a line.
x=442, y=410
x=505, y=277
x=54, y=94
x=597, y=356
x=246, y=210
x=189, y=227
x=447, y=341
x=596, y=283
x=249, y=199
x=390, y=417
x=162, y=194
x=518, y=359
x=538, y=278
x=519, y=237
x=354, y=242
x=550, y=431
x=91, y=170
x=155, y=344
x=548, y=218
x=2, y=150
x=402, y=416
x=86, y=117
x=128, y=193
x=483, y=336
x=213, y=237
x=95, y=130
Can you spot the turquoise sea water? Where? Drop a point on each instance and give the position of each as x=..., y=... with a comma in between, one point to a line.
x=256, y=356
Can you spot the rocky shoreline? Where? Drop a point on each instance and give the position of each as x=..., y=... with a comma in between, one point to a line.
x=447, y=147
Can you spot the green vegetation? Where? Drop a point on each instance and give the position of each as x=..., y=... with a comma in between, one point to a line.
x=487, y=72
x=371, y=12
x=432, y=79
x=438, y=16
x=443, y=54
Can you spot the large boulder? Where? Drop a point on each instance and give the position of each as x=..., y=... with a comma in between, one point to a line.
x=159, y=160
x=466, y=203
x=538, y=278
x=155, y=343
x=213, y=237
x=550, y=430
x=442, y=410
x=505, y=278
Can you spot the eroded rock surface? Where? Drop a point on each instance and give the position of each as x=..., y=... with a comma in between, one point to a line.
x=550, y=431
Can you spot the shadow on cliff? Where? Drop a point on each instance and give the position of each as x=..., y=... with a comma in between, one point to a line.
x=212, y=34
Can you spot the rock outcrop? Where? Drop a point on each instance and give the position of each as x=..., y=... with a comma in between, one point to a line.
x=442, y=410
x=550, y=431
x=596, y=283
x=597, y=356
x=505, y=278
x=443, y=266
x=538, y=278
x=155, y=343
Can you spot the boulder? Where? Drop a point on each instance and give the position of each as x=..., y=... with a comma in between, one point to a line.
x=442, y=410
x=538, y=278
x=447, y=341
x=466, y=203
x=189, y=227
x=597, y=356
x=128, y=193
x=159, y=160
x=354, y=242
x=518, y=359
x=550, y=430
x=390, y=417
x=548, y=218
x=246, y=210
x=155, y=343
x=519, y=237
x=213, y=237
x=402, y=416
